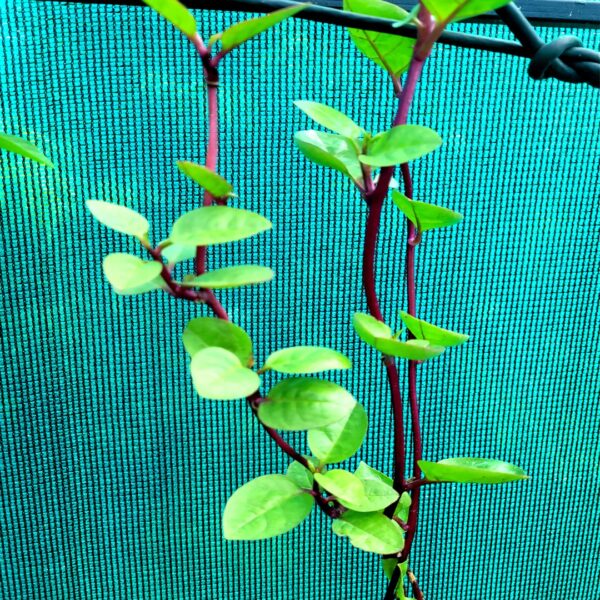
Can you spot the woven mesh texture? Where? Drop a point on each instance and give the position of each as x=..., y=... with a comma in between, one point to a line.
x=114, y=473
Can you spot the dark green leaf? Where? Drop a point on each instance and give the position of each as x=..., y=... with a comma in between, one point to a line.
x=306, y=359
x=423, y=215
x=241, y=32
x=216, y=225
x=213, y=183
x=331, y=118
x=18, y=145
x=410, y=350
x=304, y=403
x=341, y=439
x=129, y=274
x=207, y=332
x=456, y=10
x=300, y=475
x=369, y=328
x=230, y=277
x=423, y=330
x=119, y=218
x=471, y=470
x=371, y=532
x=401, y=144
x=391, y=52
x=177, y=14
x=219, y=375
x=265, y=507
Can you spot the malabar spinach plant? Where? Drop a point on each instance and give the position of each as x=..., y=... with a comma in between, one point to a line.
x=377, y=513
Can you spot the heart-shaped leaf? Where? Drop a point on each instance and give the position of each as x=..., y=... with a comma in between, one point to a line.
x=445, y=11
x=212, y=182
x=17, y=145
x=119, y=218
x=207, y=332
x=230, y=277
x=471, y=470
x=306, y=359
x=331, y=118
x=410, y=350
x=130, y=275
x=219, y=375
x=265, y=507
x=216, y=225
x=391, y=52
x=371, y=532
x=241, y=32
x=399, y=145
x=423, y=330
x=341, y=439
x=369, y=328
x=304, y=403
x=176, y=13
x=423, y=215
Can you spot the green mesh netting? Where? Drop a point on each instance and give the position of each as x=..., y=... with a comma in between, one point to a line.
x=114, y=473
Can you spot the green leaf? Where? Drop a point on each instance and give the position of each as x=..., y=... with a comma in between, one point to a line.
x=445, y=11
x=241, y=32
x=18, y=145
x=471, y=470
x=213, y=183
x=399, y=145
x=306, y=359
x=207, y=332
x=423, y=215
x=304, y=403
x=403, y=507
x=410, y=350
x=330, y=150
x=176, y=13
x=174, y=253
x=230, y=277
x=391, y=52
x=220, y=375
x=130, y=275
x=371, y=532
x=331, y=118
x=423, y=330
x=369, y=328
x=265, y=507
x=119, y=218
x=300, y=475
x=357, y=491
x=341, y=439
x=216, y=225
x=368, y=474
x=389, y=565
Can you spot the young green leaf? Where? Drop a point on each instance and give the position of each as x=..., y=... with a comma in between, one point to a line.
x=207, y=332
x=399, y=145
x=330, y=150
x=216, y=225
x=403, y=507
x=341, y=439
x=177, y=14
x=425, y=216
x=423, y=330
x=174, y=253
x=130, y=275
x=391, y=52
x=119, y=218
x=304, y=403
x=212, y=182
x=17, y=145
x=390, y=565
x=331, y=118
x=361, y=495
x=245, y=30
x=445, y=11
x=306, y=359
x=371, y=532
x=265, y=507
x=300, y=475
x=369, y=328
x=410, y=350
x=471, y=470
x=230, y=277
x=220, y=375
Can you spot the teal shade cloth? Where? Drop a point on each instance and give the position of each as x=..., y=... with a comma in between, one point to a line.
x=114, y=474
